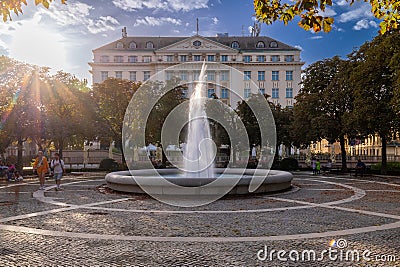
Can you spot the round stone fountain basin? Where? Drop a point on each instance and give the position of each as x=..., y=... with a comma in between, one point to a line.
x=128, y=181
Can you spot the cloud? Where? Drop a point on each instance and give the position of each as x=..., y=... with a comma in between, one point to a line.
x=329, y=12
x=152, y=21
x=299, y=47
x=170, y=5
x=365, y=24
x=316, y=37
x=341, y=3
x=215, y=20
x=361, y=12
x=78, y=14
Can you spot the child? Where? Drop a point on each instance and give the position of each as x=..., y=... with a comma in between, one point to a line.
x=18, y=177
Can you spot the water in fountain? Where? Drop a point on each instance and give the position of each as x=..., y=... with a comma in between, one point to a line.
x=200, y=150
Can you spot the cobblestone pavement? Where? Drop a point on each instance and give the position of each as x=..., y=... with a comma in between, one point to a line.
x=84, y=225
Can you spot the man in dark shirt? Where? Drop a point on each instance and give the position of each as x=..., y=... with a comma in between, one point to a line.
x=360, y=168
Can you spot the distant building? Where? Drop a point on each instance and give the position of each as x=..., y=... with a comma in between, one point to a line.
x=275, y=67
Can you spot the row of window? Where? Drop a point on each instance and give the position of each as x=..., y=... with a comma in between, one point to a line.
x=183, y=75
x=185, y=58
x=234, y=44
x=274, y=75
x=247, y=92
x=132, y=75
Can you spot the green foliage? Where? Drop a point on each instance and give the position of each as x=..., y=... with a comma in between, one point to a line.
x=391, y=166
x=269, y=11
x=289, y=164
x=108, y=164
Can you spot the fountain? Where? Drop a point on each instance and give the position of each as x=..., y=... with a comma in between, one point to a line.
x=196, y=181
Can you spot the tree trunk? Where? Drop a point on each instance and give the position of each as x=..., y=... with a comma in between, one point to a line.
x=19, y=154
x=60, y=148
x=343, y=152
x=384, y=155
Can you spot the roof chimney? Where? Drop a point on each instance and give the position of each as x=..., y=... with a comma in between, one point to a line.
x=124, y=33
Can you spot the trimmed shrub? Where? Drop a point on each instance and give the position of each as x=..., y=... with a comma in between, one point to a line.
x=108, y=164
x=289, y=164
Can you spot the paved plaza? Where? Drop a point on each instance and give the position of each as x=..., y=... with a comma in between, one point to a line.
x=337, y=217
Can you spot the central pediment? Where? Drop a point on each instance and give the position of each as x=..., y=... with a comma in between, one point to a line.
x=198, y=43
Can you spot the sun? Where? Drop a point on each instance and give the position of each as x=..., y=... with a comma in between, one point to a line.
x=35, y=43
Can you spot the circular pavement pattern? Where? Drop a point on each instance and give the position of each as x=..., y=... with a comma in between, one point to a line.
x=316, y=211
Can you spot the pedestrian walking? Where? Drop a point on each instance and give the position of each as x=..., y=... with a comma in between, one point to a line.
x=57, y=165
x=41, y=166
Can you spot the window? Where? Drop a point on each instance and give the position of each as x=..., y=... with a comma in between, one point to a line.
x=183, y=75
x=210, y=58
x=247, y=75
x=246, y=59
x=260, y=58
x=289, y=58
x=224, y=93
x=275, y=75
x=224, y=75
x=118, y=74
x=170, y=58
x=182, y=58
x=197, y=58
x=289, y=92
x=275, y=58
x=247, y=93
x=210, y=92
x=289, y=75
x=104, y=75
x=147, y=59
x=132, y=59
x=260, y=44
x=132, y=76
x=118, y=59
x=120, y=45
x=261, y=76
x=132, y=45
x=168, y=75
x=235, y=45
x=275, y=92
x=262, y=91
x=104, y=59
x=211, y=75
x=197, y=43
x=224, y=58
x=196, y=75
x=273, y=44
x=146, y=75
x=149, y=45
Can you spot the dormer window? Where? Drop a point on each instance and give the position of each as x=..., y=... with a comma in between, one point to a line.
x=132, y=45
x=120, y=45
x=260, y=44
x=273, y=44
x=149, y=45
x=235, y=45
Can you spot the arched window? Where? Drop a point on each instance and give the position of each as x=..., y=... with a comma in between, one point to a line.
x=197, y=43
x=235, y=45
x=273, y=44
x=120, y=45
x=132, y=45
x=149, y=45
x=260, y=44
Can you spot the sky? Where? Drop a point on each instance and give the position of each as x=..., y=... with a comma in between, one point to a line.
x=64, y=36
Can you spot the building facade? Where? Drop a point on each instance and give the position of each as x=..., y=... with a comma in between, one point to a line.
x=274, y=67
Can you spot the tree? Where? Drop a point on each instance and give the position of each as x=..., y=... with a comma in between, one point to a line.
x=374, y=79
x=70, y=115
x=323, y=104
x=308, y=11
x=111, y=99
x=8, y=6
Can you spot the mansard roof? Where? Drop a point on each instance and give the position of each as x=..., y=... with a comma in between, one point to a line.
x=246, y=43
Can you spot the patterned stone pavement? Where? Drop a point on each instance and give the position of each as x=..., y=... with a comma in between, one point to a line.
x=322, y=221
